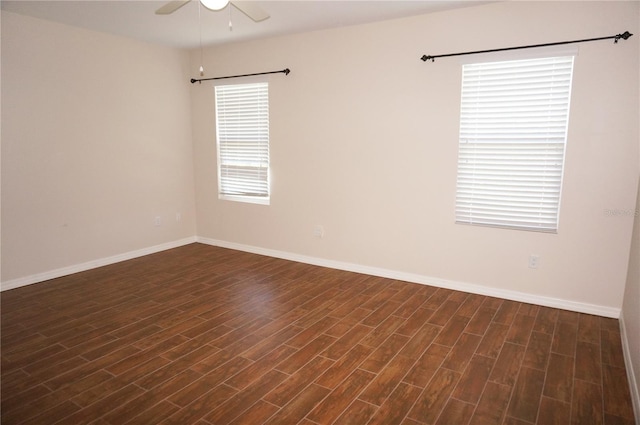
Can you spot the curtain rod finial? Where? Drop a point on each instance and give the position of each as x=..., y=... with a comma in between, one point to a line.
x=426, y=58
x=625, y=36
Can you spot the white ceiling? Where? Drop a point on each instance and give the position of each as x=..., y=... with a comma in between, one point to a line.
x=136, y=18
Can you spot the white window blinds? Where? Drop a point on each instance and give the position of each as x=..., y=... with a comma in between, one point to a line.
x=513, y=130
x=242, y=117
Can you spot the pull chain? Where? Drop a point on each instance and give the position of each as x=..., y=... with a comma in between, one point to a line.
x=200, y=26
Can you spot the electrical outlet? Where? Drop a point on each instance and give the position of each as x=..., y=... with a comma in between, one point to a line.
x=178, y=217
x=157, y=221
x=534, y=261
x=318, y=231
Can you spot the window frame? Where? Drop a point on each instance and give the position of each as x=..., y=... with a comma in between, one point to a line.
x=220, y=142
x=465, y=213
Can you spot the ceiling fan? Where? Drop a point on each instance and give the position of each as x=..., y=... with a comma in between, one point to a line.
x=252, y=10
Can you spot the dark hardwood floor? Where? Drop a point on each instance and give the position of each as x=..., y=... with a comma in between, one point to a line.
x=204, y=335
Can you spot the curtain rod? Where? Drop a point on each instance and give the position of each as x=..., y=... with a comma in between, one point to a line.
x=285, y=71
x=616, y=37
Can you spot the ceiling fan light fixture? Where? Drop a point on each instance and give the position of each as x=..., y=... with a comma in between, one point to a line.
x=214, y=4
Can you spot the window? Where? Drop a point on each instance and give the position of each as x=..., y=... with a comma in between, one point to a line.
x=513, y=131
x=242, y=117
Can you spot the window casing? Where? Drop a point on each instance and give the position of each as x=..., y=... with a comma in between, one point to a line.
x=242, y=130
x=513, y=130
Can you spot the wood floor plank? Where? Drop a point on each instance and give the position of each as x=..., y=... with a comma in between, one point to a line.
x=104, y=405
x=461, y=353
x=508, y=364
x=22, y=399
x=237, y=404
x=260, y=367
x=493, y=340
x=525, y=401
x=378, y=335
x=507, y=312
x=559, y=382
x=480, y=321
x=396, y=407
x=611, y=345
x=61, y=412
x=617, y=398
x=474, y=379
x=203, y=384
x=358, y=412
x=415, y=322
x=564, y=338
x=301, y=357
x=343, y=367
x=346, y=342
x=17, y=413
x=381, y=313
x=546, y=320
x=437, y=298
x=98, y=392
x=312, y=332
x=155, y=415
x=383, y=354
x=297, y=409
x=452, y=331
x=521, y=330
x=456, y=412
x=588, y=365
x=414, y=302
x=270, y=343
x=427, y=365
x=202, y=406
x=442, y=315
x=293, y=385
x=420, y=341
x=538, y=350
x=470, y=305
x=337, y=401
x=589, y=329
x=259, y=413
x=386, y=381
x=554, y=412
x=492, y=405
x=203, y=335
x=435, y=396
x=586, y=405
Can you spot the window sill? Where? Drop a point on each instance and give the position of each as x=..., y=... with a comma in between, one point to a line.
x=246, y=199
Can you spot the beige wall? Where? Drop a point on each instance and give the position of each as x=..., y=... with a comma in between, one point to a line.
x=364, y=142
x=630, y=315
x=96, y=142
x=631, y=312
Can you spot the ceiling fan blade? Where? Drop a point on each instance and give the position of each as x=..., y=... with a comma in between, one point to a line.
x=251, y=9
x=171, y=7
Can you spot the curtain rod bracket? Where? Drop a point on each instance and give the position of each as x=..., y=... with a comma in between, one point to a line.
x=625, y=35
x=285, y=71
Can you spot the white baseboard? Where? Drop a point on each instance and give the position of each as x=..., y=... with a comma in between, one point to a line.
x=425, y=280
x=357, y=268
x=631, y=377
x=41, y=277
